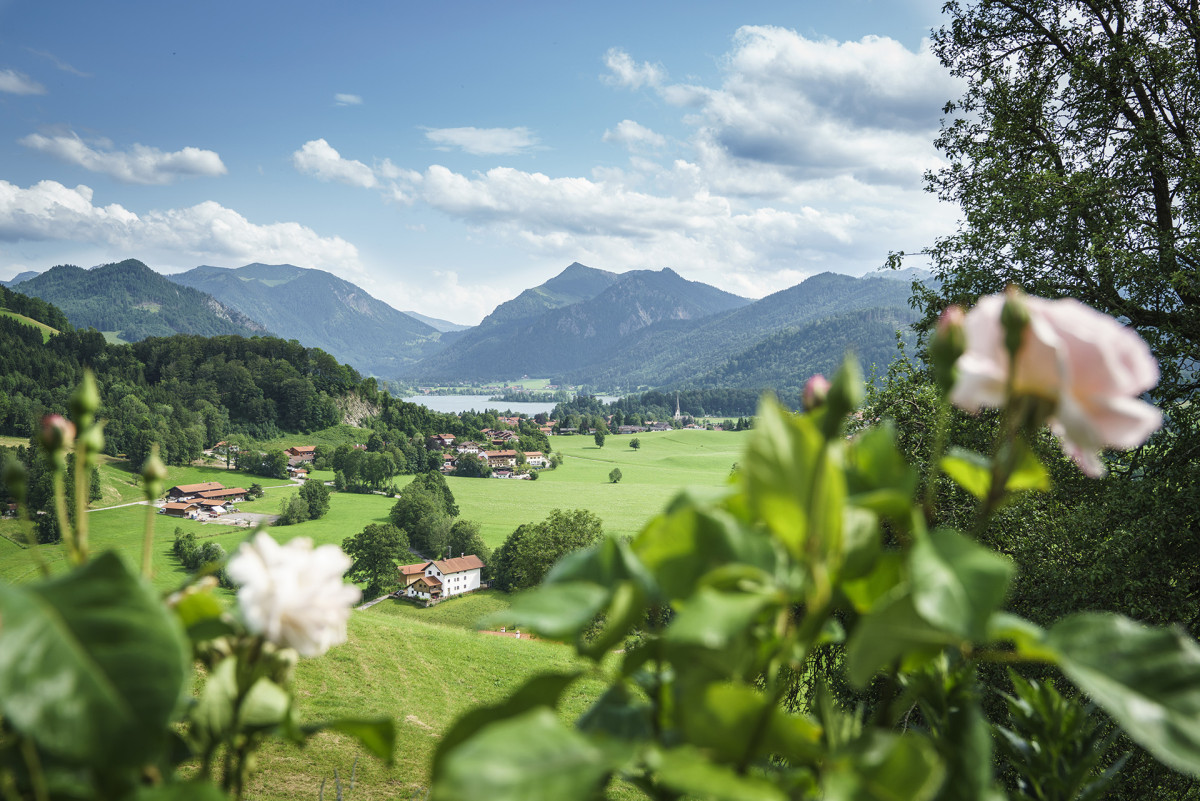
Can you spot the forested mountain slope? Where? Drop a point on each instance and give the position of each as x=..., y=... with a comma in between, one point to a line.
x=575, y=335
x=321, y=310
x=136, y=302
x=680, y=353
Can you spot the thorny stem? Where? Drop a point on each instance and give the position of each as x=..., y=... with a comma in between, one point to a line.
x=31, y=537
x=34, y=765
x=941, y=428
x=148, y=542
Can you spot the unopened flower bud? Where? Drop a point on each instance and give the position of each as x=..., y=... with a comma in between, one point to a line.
x=948, y=343
x=816, y=392
x=57, y=434
x=86, y=399
x=1014, y=317
x=16, y=478
x=154, y=473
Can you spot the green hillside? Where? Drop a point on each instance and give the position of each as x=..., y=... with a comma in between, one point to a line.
x=46, y=330
x=321, y=310
x=135, y=302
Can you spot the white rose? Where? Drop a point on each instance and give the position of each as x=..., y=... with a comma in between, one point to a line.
x=292, y=594
x=1089, y=365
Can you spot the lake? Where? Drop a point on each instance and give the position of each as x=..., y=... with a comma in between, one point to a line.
x=455, y=404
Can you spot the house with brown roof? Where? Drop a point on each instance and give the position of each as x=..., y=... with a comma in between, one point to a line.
x=182, y=492
x=535, y=459
x=224, y=495
x=443, y=578
x=442, y=441
x=301, y=453
x=181, y=509
x=501, y=458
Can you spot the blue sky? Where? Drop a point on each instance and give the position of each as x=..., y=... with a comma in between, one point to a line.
x=445, y=156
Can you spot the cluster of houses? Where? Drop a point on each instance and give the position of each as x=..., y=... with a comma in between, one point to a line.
x=503, y=461
x=300, y=458
x=433, y=581
x=196, y=501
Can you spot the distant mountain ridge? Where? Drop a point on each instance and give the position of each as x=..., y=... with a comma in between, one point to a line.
x=134, y=301
x=321, y=310
x=580, y=317
x=19, y=277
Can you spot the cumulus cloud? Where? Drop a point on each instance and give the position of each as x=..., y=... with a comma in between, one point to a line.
x=624, y=71
x=139, y=165
x=50, y=211
x=318, y=158
x=634, y=136
x=18, y=83
x=483, y=141
x=818, y=108
x=347, y=100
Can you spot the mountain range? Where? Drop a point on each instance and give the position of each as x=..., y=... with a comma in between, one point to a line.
x=132, y=302
x=643, y=328
x=319, y=309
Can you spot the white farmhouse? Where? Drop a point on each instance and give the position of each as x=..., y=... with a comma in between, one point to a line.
x=441, y=579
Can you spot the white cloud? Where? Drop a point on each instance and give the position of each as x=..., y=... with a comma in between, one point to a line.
x=624, y=71
x=140, y=165
x=318, y=158
x=815, y=109
x=49, y=211
x=58, y=62
x=347, y=100
x=17, y=83
x=483, y=141
x=635, y=136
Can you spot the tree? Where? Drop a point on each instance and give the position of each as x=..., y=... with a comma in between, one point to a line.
x=635, y=443
x=255, y=491
x=614, y=475
x=1072, y=154
x=292, y=510
x=375, y=551
x=423, y=512
x=465, y=538
x=469, y=466
x=316, y=494
x=599, y=438
x=531, y=550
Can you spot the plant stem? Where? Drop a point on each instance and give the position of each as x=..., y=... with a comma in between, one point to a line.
x=941, y=427
x=64, y=523
x=81, y=498
x=148, y=542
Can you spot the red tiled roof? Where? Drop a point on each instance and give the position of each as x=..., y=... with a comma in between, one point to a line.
x=432, y=581
x=182, y=506
x=412, y=570
x=459, y=564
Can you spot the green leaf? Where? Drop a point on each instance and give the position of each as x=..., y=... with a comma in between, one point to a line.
x=179, y=791
x=1028, y=638
x=1029, y=473
x=957, y=584
x=377, y=735
x=687, y=771
x=213, y=714
x=533, y=756
x=714, y=620
x=885, y=767
x=681, y=547
x=542, y=690
x=969, y=470
x=557, y=611
x=606, y=563
x=893, y=632
x=618, y=714
x=867, y=592
x=861, y=538
x=778, y=470
x=724, y=718
x=265, y=705
x=1146, y=678
x=878, y=476
x=92, y=664
x=626, y=610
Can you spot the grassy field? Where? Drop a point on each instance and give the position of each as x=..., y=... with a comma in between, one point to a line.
x=46, y=330
x=421, y=667
x=666, y=463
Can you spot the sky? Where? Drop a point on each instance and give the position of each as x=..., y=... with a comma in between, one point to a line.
x=444, y=156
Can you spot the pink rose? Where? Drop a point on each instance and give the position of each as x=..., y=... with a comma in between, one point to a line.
x=1087, y=364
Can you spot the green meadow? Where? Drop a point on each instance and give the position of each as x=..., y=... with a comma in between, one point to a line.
x=46, y=330
x=421, y=667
